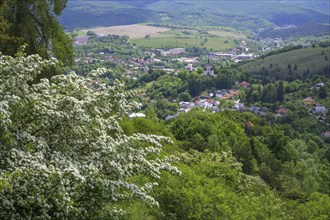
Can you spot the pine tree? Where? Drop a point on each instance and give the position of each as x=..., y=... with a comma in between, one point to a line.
x=280, y=92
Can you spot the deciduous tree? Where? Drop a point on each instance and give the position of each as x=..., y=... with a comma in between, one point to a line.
x=63, y=153
x=35, y=23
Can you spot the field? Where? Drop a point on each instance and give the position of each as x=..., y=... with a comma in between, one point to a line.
x=134, y=31
x=172, y=41
x=160, y=37
x=227, y=34
x=180, y=37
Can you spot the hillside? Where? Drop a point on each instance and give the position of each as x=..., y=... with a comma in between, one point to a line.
x=297, y=63
x=258, y=16
x=81, y=14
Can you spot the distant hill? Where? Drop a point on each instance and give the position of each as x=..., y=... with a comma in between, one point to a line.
x=268, y=18
x=84, y=14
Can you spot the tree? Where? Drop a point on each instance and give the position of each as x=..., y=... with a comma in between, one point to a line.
x=63, y=153
x=280, y=92
x=8, y=43
x=185, y=96
x=323, y=92
x=35, y=23
x=212, y=186
x=91, y=33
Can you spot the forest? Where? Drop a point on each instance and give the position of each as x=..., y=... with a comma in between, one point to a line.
x=70, y=150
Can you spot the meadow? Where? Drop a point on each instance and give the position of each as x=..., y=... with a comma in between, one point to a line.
x=160, y=37
x=133, y=31
x=192, y=37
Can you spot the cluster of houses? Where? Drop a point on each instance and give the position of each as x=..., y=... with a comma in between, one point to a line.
x=319, y=110
x=214, y=106
x=203, y=103
x=272, y=43
x=316, y=107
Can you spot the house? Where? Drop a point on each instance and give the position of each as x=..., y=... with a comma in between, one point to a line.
x=207, y=104
x=222, y=55
x=249, y=125
x=238, y=107
x=220, y=93
x=186, y=105
x=190, y=60
x=282, y=111
x=255, y=109
x=170, y=117
x=309, y=101
x=81, y=40
x=326, y=134
x=319, y=109
x=165, y=53
x=145, y=69
x=189, y=67
x=319, y=84
x=245, y=84
x=175, y=51
x=208, y=70
x=197, y=103
x=244, y=56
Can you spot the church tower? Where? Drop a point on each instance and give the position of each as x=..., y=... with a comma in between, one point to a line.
x=208, y=70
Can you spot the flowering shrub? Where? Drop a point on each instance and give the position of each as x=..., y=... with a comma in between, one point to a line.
x=63, y=153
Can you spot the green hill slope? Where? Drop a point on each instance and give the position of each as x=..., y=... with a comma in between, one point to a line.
x=294, y=64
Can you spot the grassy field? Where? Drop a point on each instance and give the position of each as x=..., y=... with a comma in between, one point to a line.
x=173, y=41
x=209, y=37
x=133, y=31
x=312, y=58
x=180, y=37
x=227, y=34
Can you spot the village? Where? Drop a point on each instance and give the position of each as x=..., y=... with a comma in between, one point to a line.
x=174, y=60
x=161, y=59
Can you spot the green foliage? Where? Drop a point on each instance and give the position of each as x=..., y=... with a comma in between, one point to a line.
x=309, y=60
x=35, y=24
x=323, y=93
x=216, y=132
x=185, y=97
x=212, y=186
x=64, y=153
x=317, y=207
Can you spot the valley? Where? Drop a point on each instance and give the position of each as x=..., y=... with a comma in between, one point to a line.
x=158, y=110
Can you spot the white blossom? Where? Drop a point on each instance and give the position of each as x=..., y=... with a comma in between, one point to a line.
x=62, y=149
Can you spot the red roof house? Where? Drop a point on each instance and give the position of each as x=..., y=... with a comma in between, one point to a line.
x=282, y=111
x=249, y=125
x=326, y=134
x=309, y=101
x=245, y=84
